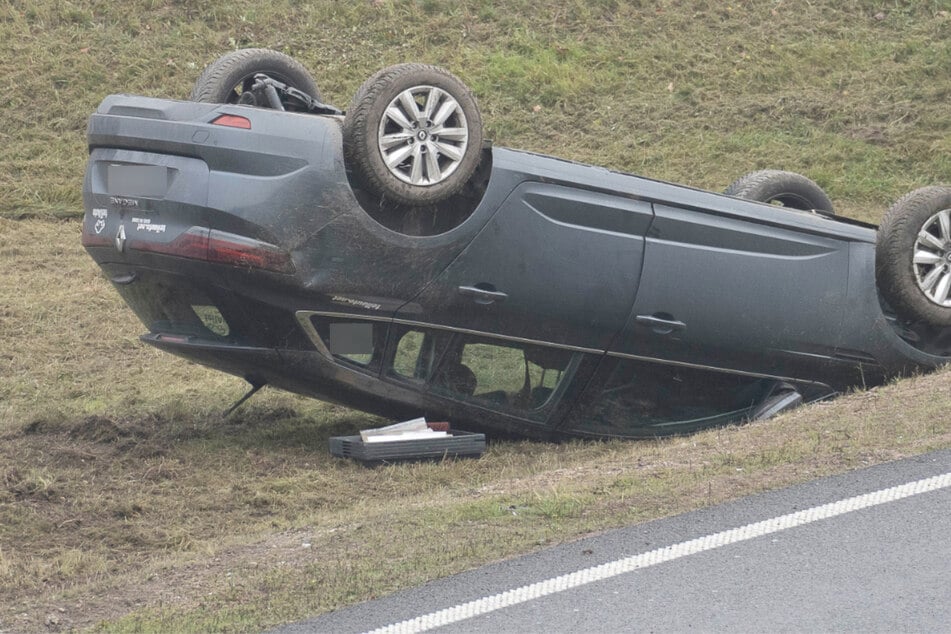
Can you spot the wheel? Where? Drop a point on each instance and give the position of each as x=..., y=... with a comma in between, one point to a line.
x=781, y=397
x=913, y=256
x=229, y=78
x=786, y=189
x=413, y=134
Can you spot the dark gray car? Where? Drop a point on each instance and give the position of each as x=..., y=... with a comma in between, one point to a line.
x=390, y=262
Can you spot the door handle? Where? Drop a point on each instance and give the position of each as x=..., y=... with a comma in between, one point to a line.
x=661, y=323
x=483, y=293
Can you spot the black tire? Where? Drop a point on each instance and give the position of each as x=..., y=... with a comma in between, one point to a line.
x=428, y=168
x=912, y=269
x=786, y=189
x=231, y=75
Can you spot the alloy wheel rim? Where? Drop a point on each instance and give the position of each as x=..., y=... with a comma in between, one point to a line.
x=931, y=259
x=423, y=136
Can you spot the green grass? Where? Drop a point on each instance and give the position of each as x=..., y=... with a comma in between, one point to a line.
x=851, y=93
x=128, y=503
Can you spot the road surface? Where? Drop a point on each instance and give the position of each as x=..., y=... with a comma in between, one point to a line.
x=865, y=551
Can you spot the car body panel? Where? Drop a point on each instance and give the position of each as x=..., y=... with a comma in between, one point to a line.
x=529, y=255
x=693, y=258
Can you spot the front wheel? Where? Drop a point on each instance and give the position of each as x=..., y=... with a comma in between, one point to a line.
x=784, y=189
x=413, y=134
x=913, y=256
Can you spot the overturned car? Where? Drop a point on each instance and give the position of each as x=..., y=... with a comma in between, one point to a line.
x=391, y=260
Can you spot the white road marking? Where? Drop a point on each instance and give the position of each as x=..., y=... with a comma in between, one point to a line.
x=660, y=555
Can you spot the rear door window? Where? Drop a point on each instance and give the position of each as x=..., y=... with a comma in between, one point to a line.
x=523, y=379
x=355, y=342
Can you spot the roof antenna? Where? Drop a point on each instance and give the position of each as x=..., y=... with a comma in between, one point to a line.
x=256, y=384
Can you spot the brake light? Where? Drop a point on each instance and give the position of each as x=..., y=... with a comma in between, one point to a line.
x=233, y=121
x=192, y=244
x=211, y=245
x=229, y=248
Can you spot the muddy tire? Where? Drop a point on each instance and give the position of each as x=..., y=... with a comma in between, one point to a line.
x=230, y=76
x=913, y=256
x=785, y=189
x=413, y=134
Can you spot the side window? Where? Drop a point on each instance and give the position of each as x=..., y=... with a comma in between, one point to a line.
x=354, y=342
x=503, y=375
x=417, y=353
x=643, y=398
x=514, y=377
x=406, y=363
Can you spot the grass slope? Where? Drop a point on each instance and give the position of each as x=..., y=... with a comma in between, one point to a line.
x=852, y=93
x=128, y=503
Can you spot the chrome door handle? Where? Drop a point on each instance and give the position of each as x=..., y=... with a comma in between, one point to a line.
x=661, y=324
x=485, y=295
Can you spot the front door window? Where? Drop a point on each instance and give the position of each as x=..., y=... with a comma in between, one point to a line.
x=641, y=398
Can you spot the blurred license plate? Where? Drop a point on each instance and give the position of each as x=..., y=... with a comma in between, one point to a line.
x=137, y=180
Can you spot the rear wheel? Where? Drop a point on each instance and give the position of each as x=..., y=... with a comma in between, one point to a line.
x=413, y=134
x=229, y=78
x=784, y=189
x=913, y=256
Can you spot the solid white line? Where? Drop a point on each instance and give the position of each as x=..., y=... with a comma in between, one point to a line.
x=660, y=555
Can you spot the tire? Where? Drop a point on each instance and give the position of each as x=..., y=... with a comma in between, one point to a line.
x=400, y=153
x=786, y=189
x=231, y=75
x=913, y=256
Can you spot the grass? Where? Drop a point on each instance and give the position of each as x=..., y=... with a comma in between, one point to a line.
x=128, y=503
x=852, y=93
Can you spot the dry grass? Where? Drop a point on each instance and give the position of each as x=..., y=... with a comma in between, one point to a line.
x=852, y=93
x=127, y=502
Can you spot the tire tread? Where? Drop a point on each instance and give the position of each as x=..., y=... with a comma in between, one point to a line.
x=360, y=135
x=212, y=84
x=896, y=238
x=764, y=185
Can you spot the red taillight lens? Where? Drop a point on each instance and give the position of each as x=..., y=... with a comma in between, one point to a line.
x=192, y=244
x=210, y=245
x=228, y=248
x=233, y=121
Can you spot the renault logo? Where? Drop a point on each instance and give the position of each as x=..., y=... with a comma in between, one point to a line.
x=120, y=239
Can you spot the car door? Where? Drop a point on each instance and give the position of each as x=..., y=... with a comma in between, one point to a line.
x=557, y=265
x=738, y=293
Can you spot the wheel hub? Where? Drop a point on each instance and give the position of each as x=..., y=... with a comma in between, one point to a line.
x=423, y=135
x=931, y=259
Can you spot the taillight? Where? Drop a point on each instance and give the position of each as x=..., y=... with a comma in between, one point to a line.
x=233, y=121
x=211, y=245
x=229, y=248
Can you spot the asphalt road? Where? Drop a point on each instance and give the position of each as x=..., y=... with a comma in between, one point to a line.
x=866, y=551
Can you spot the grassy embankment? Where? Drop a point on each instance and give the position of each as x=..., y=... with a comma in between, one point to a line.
x=125, y=499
